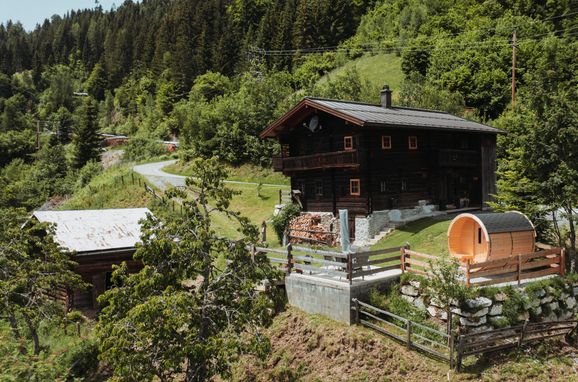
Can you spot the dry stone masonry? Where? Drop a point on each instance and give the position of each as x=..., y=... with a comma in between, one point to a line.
x=542, y=301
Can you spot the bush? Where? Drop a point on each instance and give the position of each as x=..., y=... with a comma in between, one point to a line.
x=140, y=148
x=82, y=359
x=282, y=220
x=89, y=171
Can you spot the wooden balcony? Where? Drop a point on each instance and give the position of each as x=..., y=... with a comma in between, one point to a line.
x=458, y=158
x=338, y=159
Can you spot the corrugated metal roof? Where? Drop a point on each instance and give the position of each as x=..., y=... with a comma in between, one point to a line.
x=505, y=222
x=398, y=116
x=95, y=230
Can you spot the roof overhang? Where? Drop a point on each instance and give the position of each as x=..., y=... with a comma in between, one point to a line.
x=300, y=112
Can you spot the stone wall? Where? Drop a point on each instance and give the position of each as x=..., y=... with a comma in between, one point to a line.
x=502, y=307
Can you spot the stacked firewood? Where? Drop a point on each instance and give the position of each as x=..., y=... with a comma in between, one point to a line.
x=308, y=229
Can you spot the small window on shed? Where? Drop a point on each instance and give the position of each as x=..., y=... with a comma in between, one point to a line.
x=348, y=142
x=412, y=142
x=319, y=188
x=354, y=187
x=479, y=236
x=386, y=142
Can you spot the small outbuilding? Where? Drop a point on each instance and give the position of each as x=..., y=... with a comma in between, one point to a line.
x=98, y=239
x=490, y=236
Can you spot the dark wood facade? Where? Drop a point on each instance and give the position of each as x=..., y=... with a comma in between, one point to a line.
x=342, y=165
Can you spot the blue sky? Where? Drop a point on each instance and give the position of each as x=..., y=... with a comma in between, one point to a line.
x=32, y=12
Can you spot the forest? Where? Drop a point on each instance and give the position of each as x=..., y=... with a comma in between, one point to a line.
x=213, y=73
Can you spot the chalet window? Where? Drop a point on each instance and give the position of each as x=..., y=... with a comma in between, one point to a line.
x=383, y=186
x=412, y=142
x=404, y=185
x=348, y=142
x=319, y=188
x=386, y=142
x=354, y=187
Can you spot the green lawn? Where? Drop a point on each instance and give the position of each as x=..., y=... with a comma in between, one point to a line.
x=379, y=70
x=425, y=235
x=242, y=173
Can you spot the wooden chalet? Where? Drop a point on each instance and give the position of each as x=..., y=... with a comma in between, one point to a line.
x=98, y=240
x=365, y=157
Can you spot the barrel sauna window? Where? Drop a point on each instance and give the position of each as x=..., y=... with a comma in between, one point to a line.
x=491, y=236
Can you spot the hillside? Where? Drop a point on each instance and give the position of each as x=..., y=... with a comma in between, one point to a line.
x=427, y=235
x=312, y=348
x=378, y=70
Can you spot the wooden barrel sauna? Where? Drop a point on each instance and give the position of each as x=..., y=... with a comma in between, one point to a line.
x=490, y=236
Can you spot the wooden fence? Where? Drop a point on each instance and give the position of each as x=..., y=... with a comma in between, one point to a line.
x=435, y=343
x=453, y=347
x=514, y=268
x=343, y=266
x=511, y=337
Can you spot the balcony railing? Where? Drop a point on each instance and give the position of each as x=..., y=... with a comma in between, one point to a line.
x=458, y=158
x=339, y=159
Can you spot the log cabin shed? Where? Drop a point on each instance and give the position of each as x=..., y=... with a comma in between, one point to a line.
x=490, y=236
x=98, y=239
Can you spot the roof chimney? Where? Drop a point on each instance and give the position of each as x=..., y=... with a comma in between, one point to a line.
x=385, y=94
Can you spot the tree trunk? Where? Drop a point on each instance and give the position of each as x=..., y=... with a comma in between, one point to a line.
x=16, y=332
x=33, y=333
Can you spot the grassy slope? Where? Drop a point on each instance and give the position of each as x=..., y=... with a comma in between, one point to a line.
x=379, y=70
x=243, y=173
x=107, y=190
x=313, y=348
x=424, y=235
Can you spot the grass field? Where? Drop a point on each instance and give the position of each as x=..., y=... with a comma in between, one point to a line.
x=425, y=235
x=116, y=187
x=243, y=173
x=379, y=70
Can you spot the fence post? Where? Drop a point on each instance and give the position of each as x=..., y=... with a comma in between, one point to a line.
x=280, y=196
x=562, y=262
x=468, y=272
x=289, y=258
x=349, y=268
x=402, y=250
x=408, y=328
x=519, y=269
x=253, y=253
x=356, y=301
x=451, y=340
x=521, y=339
x=263, y=232
x=132, y=177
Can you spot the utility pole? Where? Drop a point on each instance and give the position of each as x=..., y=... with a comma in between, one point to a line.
x=514, y=69
x=37, y=134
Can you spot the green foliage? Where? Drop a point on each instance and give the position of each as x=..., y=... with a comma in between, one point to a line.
x=31, y=262
x=210, y=314
x=89, y=171
x=514, y=305
x=140, y=148
x=85, y=140
x=283, y=218
x=446, y=282
x=83, y=359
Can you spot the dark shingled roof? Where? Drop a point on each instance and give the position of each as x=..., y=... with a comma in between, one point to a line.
x=505, y=222
x=376, y=115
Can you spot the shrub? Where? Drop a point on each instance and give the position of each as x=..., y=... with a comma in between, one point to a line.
x=82, y=359
x=282, y=220
x=139, y=148
x=89, y=171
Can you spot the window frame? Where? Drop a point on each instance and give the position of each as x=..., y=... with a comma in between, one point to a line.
x=356, y=181
x=383, y=145
x=348, y=138
x=413, y=138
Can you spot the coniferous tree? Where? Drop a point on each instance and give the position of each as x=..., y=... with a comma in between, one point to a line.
x=85, y=138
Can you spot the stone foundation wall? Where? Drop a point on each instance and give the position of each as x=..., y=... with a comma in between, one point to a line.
x=500, y=309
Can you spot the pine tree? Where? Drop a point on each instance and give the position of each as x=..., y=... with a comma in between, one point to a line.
x=85, y=138
x=96, y=83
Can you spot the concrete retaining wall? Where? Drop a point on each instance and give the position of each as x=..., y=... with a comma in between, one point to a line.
x=329, y=297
